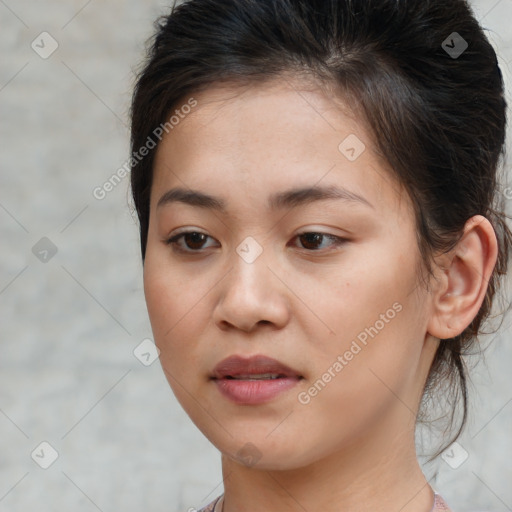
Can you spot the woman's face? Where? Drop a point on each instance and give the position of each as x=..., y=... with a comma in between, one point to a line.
x=342, y=309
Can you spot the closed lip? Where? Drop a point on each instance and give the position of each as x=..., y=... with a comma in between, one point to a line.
x=236, y=365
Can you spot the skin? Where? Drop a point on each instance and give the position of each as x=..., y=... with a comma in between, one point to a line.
x=351, y=447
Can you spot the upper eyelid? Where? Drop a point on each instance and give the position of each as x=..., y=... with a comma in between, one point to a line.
x=175, y=236
x=315, y=231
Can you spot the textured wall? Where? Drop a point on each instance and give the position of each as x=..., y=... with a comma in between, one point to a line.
x=71, y=303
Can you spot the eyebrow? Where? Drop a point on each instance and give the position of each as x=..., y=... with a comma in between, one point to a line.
x=287, y=199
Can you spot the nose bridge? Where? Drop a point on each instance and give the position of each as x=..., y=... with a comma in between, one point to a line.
x=251, y=293
x=250, y=266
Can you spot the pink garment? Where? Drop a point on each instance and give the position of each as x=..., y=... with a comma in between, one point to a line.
x=439, y=505
x=211, y=506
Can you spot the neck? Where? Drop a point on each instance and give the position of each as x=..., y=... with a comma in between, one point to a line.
x=378, y=472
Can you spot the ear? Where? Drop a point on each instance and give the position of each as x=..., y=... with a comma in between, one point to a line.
x=463, y=276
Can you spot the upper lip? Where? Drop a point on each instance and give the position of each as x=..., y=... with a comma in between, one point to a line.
x=254, y=365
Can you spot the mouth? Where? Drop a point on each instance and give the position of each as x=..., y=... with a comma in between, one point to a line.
x=254, y=380
x=254, y=367
x=261, y=376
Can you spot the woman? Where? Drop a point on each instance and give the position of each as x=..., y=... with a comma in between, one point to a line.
x=321, y=236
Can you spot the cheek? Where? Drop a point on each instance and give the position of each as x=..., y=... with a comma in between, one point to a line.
x=174, y=307
x=175, y=313
x=347, y=397
x=379, y=323
x=352, y=297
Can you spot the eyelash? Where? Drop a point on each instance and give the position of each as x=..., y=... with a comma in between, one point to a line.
x=338, y=241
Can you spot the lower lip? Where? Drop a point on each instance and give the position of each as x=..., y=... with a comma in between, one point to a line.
x=253, y=392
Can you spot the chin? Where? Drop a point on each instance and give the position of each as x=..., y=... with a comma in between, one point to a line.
x=261, y=454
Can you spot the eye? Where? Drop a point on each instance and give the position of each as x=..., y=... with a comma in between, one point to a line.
x=311, y=240
x=194, y=240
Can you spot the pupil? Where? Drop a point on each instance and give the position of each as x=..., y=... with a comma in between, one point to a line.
x=312, y=238
x=195, y=238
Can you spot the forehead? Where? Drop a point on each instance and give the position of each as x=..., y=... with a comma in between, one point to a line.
x=255, y=113
x=268, y=136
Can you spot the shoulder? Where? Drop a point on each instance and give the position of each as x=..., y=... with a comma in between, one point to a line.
x=440, y=505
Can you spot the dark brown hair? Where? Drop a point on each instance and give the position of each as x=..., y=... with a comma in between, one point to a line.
x=422, y=74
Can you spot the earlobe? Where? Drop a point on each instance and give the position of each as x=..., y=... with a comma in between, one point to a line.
x=463, y=280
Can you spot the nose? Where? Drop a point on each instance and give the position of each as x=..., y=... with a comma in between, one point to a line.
x=251, y=294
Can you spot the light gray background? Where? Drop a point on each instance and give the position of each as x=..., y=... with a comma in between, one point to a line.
x=69, y=325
